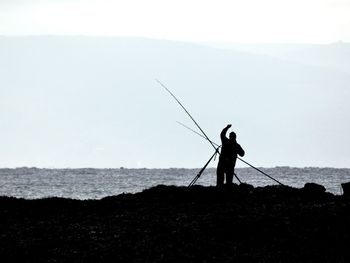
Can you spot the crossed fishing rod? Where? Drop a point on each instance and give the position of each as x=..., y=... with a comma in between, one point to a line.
x=215, y=145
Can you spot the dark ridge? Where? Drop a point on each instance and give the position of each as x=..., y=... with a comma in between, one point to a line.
x=180, y=224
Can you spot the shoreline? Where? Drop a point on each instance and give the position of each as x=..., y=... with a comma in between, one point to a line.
x=95, y=184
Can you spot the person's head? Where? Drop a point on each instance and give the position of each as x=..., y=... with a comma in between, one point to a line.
x=233, y=136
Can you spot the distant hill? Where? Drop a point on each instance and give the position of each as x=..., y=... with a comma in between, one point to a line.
x=93, y=102
x=333, y=56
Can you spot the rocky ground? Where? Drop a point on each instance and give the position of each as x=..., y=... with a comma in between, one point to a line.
x=179, y=224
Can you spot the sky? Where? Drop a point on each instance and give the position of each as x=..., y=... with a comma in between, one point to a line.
x=282, y=21
x=239, y=21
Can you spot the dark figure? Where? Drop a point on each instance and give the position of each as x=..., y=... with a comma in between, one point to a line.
x=227, y=160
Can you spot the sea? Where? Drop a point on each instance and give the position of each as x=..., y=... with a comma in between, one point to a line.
x=91, y=183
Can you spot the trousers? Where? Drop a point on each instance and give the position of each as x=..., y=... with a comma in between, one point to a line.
x=224, y=169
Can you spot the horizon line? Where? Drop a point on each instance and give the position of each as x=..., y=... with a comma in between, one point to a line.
x=168, y=168
x=177, y=40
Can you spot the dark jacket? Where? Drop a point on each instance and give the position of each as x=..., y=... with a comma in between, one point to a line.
x=230, y=149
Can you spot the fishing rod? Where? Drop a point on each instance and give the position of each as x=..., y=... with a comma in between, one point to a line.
x=237, y=156
x=205, y=136
x=216, y=145
x=183, y=107
x=205, y=166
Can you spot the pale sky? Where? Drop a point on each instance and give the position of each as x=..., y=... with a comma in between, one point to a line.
x=29, y=88
x=292, y=21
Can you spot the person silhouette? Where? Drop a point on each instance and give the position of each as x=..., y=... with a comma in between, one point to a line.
x=227, y=160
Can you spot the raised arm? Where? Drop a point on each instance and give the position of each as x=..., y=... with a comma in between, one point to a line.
x=224, y=131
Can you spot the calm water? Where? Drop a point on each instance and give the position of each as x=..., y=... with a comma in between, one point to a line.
x=97, y=183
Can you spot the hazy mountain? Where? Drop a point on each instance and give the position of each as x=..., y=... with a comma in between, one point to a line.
x=332, y=56
x=93, y=101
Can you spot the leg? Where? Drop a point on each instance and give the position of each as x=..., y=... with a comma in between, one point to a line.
x=229, y=178
x=229, y=175
x=220, y=176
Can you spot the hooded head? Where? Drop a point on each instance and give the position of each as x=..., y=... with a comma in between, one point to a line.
x=233, y=136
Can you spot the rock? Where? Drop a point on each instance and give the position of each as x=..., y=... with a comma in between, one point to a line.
x=313, y=188
x=246, y=187
x=346, y=189
x=239, y=223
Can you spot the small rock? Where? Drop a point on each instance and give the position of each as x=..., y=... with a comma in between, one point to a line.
x=314, y=188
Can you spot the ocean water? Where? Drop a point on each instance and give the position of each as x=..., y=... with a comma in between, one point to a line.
x=88, y=183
